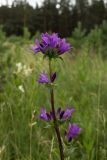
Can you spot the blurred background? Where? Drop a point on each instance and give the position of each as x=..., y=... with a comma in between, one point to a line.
x=81, y=78
x=60, y=16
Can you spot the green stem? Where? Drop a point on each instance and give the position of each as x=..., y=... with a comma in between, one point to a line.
x=55, y=118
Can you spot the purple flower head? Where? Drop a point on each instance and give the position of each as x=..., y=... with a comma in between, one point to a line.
x=43, y=78
x=65, y=114
x=44, y=115
x=73, y=131
x=51, y=45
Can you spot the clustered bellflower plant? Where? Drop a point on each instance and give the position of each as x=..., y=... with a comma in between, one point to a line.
x=52, y=47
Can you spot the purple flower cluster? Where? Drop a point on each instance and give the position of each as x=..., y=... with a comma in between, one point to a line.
x=61, y=114
x=43, y=78
x=51, y=45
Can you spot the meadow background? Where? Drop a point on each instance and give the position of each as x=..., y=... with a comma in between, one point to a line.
x=81, y=82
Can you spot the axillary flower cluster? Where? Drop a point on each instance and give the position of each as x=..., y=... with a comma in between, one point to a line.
x=52, y=47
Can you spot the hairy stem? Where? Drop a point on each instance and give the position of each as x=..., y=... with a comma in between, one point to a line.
x=55, y=118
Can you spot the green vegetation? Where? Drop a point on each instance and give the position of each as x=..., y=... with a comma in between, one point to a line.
x=81, y=82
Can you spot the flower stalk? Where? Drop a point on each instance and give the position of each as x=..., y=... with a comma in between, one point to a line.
x=54, y=116
x=52, y=47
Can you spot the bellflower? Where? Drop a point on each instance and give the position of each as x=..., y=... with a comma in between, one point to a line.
x=65, y=114
x=43, y=78
x=44, y=115
x=51, y=45
x=73, y=131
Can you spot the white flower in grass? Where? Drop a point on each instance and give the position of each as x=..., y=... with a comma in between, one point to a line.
x=21, y=88
x=19, y=67
x=27, y=71
x=23, y=69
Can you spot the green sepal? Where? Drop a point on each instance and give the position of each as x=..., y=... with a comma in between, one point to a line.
x=51, y=55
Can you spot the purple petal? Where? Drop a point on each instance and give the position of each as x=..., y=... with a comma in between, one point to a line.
x=51, y=114
x=53, y=77
x=43, y=114
x=73, y=131
x=45, y=40
x=43, y=78
x=54, y=40
x=64, y=46
x=68, y=112
x=61, y=114
x=35, y=49
x=58, y=111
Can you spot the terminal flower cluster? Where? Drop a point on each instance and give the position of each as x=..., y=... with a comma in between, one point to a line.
x=51, y=45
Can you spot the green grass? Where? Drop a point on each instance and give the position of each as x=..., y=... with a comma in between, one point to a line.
x=81, y=82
